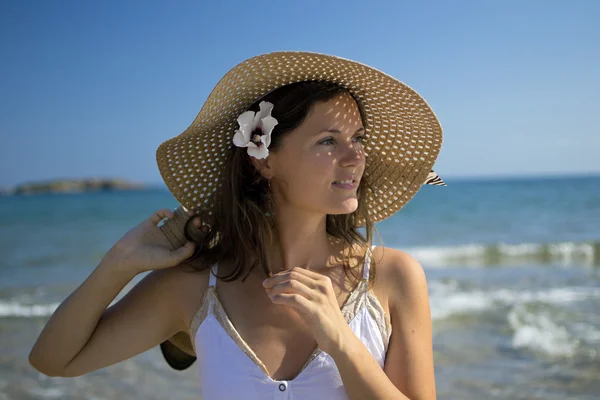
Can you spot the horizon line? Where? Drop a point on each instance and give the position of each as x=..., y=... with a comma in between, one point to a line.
x=451, y=177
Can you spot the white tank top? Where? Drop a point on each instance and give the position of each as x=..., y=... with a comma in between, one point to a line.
x=230, y=370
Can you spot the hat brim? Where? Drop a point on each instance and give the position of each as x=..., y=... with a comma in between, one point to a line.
x=403, y=134
x=178, y=351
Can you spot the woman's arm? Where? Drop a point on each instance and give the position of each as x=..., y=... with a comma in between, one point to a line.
x=409, y=360
x=82, y=335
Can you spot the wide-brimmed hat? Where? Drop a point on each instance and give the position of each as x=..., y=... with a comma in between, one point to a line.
x=403, y=134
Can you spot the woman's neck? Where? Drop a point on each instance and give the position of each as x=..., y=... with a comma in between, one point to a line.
x=301, y=240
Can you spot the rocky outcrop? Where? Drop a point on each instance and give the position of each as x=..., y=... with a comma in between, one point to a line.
x=73, y=185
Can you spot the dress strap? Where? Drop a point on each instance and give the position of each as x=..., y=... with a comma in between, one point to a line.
x=212, y=280
x=367, y=265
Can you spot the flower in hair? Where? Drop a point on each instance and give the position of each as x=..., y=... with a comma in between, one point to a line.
x=255, y=130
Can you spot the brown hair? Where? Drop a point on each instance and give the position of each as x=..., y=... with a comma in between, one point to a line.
x=239, y=227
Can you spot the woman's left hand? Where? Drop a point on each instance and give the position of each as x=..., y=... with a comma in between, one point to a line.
x=311, y=295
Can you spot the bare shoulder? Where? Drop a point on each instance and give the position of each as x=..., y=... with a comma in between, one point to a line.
x=179, y=276
x=401, y=275
x=184, y=287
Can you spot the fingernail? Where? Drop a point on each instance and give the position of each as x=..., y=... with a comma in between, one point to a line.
x=265, y=282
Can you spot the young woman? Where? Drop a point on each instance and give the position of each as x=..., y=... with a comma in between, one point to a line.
x=286, y=168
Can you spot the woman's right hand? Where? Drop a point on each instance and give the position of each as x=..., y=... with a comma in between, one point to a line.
x=139, y=250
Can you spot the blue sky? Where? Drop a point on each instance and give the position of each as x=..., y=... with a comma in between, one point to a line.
x=92, y=88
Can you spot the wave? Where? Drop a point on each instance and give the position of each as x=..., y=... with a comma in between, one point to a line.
x=587, y=253
x=447, y=299
x=15, y=309
x=25, y=306
x=542, y=321
x=546, y=331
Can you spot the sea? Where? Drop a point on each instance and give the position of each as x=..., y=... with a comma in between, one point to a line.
x=513, y=270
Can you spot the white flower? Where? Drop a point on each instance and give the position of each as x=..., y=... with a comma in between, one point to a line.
x=255, y=130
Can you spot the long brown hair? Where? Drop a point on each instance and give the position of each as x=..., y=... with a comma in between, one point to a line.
x=239, y=227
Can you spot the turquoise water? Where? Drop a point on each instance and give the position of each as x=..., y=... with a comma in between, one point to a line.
x=512, y=266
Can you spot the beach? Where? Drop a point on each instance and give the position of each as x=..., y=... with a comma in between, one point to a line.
x=513, y=268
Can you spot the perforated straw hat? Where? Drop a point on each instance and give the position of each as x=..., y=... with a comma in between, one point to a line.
x=403, y=134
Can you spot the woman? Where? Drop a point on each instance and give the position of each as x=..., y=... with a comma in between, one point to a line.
x=291, y=154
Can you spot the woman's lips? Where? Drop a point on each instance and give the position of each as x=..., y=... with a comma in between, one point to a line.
x=347, y=184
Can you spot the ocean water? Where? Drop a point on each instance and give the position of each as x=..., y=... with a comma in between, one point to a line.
x=513, y=268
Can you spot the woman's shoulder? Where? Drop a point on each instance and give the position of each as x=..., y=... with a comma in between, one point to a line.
x=184, y=273
x=395, y=258
x=186, y=287
x=401, y=274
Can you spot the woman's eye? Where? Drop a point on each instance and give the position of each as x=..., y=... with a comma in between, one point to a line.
x=327, y=141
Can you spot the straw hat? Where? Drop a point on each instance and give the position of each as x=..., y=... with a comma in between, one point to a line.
x=404, y=136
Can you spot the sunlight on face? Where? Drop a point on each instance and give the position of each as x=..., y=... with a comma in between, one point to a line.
x=319, y=165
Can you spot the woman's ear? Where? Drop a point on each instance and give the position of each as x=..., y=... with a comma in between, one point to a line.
x=264, y=166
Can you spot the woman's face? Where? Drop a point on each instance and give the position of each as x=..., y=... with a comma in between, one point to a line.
x=318, y=166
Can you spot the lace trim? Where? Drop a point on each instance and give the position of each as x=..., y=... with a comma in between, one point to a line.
x=381, y=318
x=205, y=307
x=354, y=302
x=375, y=309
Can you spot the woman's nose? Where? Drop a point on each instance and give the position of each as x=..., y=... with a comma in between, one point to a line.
x=353, y=154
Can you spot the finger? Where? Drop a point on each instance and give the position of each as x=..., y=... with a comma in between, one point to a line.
x=195, y=230
x=160, y=215
x=182, y=253
x=291, y=286
x=320, y=280
x=313, y=295
x=293, y=300
x=308, y=272
x=293, y=274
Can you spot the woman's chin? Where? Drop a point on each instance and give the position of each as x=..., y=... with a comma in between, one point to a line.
x=348, y=206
